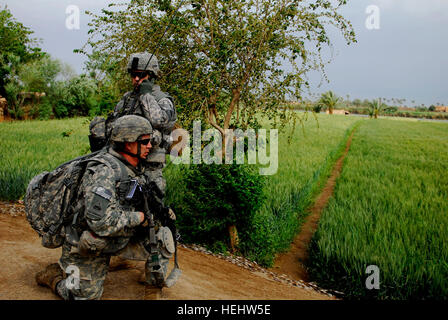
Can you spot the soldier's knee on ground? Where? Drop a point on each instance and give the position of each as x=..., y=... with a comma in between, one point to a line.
x=86, y=290
x=87, y=275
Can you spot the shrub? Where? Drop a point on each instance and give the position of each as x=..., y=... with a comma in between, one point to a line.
x=75, y=97
x=317, y=108
x=14, y=105
x=216, y=197
x=45, y=110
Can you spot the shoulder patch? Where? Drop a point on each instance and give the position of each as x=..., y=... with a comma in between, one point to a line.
x=104, y=193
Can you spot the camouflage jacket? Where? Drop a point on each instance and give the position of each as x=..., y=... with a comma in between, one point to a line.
x=156, y=106
x=102, y=201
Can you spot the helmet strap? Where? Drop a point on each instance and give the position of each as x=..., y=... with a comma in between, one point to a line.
x=134, y=155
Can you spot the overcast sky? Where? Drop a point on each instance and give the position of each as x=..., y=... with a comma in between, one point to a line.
x=405, y=58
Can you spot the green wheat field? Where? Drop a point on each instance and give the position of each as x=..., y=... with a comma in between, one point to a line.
x=389, y=208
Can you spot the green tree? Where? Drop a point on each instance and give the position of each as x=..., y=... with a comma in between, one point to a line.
x=329, y=100
x=104, y=70
x=224, y=60
x=357, y=102
x=66, y=94
x=36, y=76
x=17, y=47
x=75, y=97
x=40, y=75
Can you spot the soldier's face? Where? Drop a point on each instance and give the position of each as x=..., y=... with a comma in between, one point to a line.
x=145, y=146
x=138, y=76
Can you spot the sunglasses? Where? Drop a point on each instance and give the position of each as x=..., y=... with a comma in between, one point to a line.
x=140, y=74
x=144, y=141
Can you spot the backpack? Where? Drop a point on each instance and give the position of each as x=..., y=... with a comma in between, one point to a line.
x=101, y=128
x=97, y=136
x=50, y=195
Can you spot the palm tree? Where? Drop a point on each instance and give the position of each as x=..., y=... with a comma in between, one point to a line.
x=375, y=107
x=329, y=100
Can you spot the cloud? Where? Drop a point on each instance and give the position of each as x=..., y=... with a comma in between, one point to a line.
x=417, y=8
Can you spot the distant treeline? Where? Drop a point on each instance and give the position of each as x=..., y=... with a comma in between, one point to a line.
x=329, y=101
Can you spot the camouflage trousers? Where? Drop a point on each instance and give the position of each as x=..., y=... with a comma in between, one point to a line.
x=89, y=271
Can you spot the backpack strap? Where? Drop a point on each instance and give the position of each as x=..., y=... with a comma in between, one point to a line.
x=118, y=166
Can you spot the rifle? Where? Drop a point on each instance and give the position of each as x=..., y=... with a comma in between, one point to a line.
x=152, y=196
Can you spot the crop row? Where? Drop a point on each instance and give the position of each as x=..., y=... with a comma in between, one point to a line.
x=389, y=210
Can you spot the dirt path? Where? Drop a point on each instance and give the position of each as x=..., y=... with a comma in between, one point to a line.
x=292, y=263
x=204, y=276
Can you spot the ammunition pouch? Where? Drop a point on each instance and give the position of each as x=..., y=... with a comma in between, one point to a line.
x=97, y=137
x=96, y=143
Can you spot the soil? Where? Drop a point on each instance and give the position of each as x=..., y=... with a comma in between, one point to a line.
x=205, y=276
x=293, y=262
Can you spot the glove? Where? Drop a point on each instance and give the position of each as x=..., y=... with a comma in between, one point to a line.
x=89, y=244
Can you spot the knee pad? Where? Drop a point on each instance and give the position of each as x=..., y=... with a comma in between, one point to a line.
x=166, y=242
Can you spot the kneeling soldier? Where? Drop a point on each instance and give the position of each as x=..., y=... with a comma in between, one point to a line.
x=110, y=220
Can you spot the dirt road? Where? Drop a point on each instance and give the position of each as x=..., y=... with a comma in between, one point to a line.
x=292, y=263
x=204, y=276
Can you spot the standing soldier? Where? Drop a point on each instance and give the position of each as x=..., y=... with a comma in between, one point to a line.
x=149, y=101
x=111, y=220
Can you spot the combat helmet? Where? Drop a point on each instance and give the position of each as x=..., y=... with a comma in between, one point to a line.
x=139, y=61
x=129, y=128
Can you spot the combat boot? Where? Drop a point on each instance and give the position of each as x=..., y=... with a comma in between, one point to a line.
x=50, y=276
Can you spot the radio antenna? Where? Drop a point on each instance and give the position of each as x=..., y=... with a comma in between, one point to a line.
x=164, y=32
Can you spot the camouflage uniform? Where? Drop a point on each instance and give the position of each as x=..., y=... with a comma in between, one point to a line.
x=115, y=221
x=158, y=108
